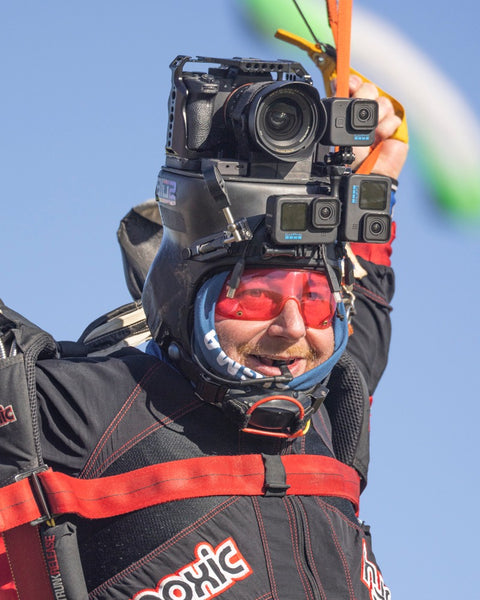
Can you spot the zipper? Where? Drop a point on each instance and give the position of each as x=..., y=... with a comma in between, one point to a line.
x=302, y=558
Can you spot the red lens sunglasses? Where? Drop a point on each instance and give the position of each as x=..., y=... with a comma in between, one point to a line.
x=262, y=294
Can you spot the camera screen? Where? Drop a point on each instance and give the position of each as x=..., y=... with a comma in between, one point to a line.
x=373, y=195
x=294, y=216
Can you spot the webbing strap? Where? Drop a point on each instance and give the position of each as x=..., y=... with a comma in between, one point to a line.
x=340, y=19
x=176, y=480
x=369, y=162
x=30, y=575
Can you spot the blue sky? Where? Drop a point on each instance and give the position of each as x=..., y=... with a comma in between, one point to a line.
x=82, y=120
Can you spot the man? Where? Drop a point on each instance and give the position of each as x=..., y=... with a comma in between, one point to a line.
x=261, y=464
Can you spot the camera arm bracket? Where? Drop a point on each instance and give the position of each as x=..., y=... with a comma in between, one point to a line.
x=343, y=156
x=239, y=230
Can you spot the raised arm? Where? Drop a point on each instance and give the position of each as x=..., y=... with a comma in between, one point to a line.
x=374, y=277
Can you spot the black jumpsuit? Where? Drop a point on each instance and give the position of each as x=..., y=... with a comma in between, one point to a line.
x=104, y=416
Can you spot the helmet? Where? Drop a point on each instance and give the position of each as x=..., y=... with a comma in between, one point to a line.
x=195, y=247
x=219, y=213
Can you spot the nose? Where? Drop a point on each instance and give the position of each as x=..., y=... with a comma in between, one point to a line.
x=289, y=323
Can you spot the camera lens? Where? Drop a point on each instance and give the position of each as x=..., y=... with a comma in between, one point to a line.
x=376, y=228
x=364, y=114
x=326, y=212
x=286, y=122
x=285, y=119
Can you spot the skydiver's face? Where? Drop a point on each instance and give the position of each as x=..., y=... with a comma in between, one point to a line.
x=295, y=328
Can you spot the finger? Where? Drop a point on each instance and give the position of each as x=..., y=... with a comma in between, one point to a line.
x=354, y=82
x=358, y=88
x=385, y=108
x=367, y=91
x=387, y=126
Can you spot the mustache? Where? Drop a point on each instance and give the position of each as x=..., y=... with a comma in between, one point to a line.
x=290, y=352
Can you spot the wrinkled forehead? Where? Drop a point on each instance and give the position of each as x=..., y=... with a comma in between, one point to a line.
x=285, y=281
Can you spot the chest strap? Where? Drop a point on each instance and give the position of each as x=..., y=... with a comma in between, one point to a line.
x=177, y=480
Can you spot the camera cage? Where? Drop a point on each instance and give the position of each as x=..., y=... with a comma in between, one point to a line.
x=197, y=103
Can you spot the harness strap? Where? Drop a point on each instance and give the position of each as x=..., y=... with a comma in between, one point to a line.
x=177, y=480
x=340, y=20
x=30, y=576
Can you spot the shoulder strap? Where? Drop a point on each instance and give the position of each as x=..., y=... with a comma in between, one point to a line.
x=21, y=344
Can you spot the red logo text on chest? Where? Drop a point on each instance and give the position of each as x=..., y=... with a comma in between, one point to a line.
x=212, y=572
x=7, y=415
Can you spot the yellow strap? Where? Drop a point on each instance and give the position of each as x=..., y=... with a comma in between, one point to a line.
x=328, y=67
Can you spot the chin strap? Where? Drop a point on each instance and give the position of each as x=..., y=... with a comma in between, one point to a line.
x=282, y=415
x=252, y=406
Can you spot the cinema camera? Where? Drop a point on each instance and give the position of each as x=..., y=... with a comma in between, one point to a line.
x=264, y=123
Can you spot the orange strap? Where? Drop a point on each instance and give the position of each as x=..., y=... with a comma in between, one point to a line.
x=176, y=480
x=340, y=19
x=369, y=162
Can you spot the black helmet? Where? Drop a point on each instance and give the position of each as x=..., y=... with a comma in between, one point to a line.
x=231, y=198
